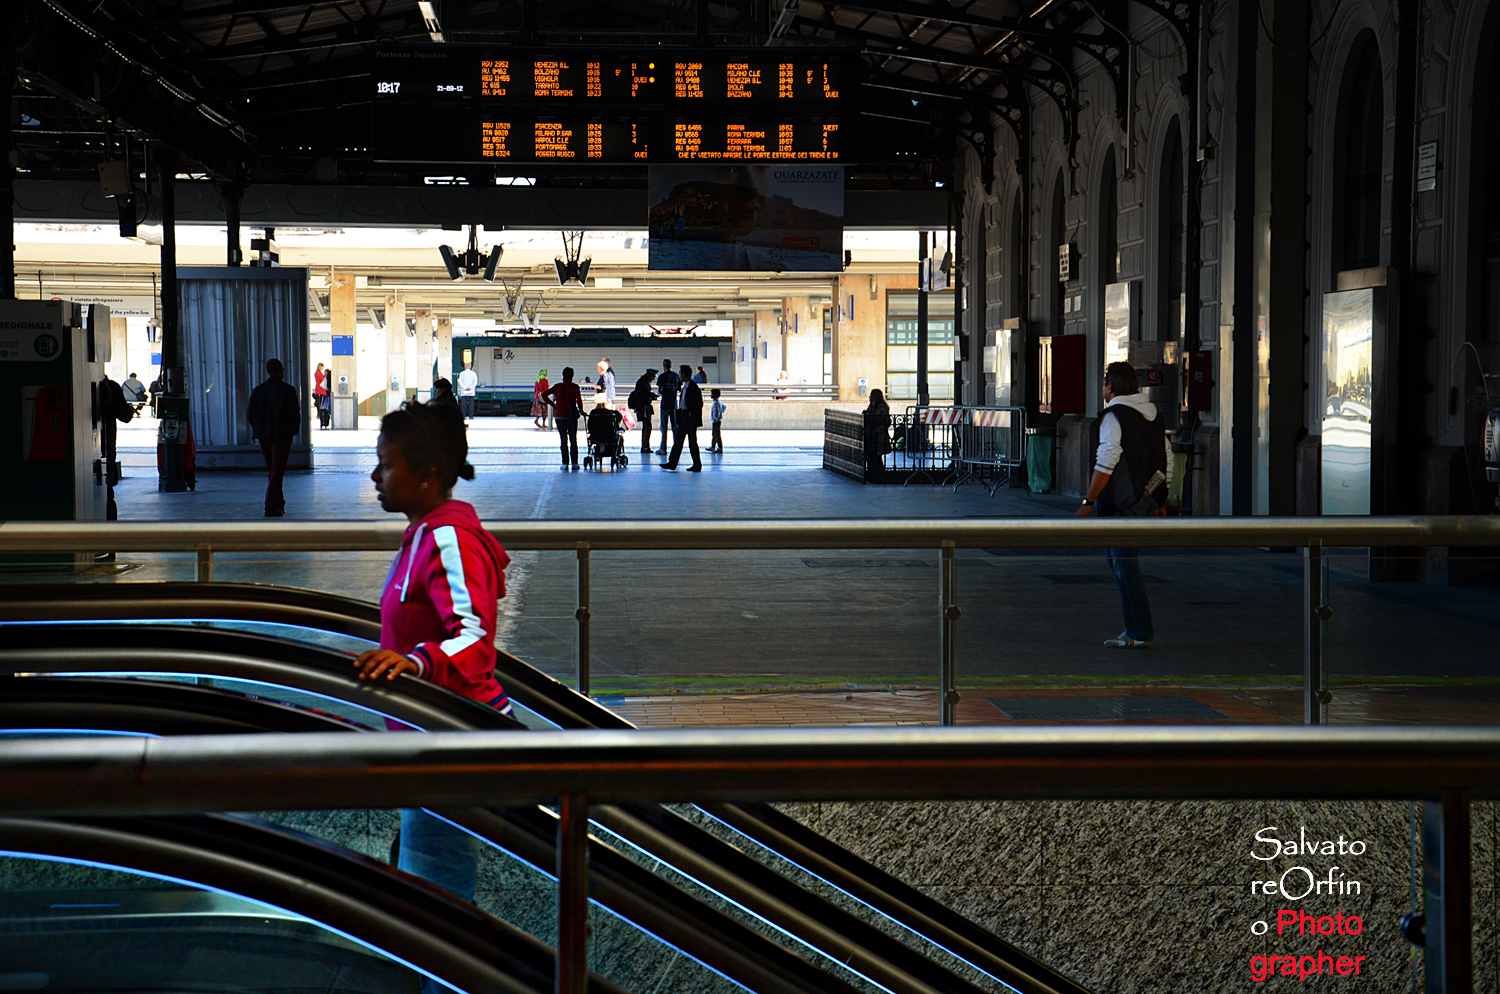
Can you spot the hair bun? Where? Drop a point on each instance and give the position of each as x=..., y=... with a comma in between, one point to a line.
x=466, y=471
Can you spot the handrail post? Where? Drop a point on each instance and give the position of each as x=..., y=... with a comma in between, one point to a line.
x=583, y=614
x=571, y=974
x=1448, y=877
x=1314, y=632
x=205, y=572
x=950, y=613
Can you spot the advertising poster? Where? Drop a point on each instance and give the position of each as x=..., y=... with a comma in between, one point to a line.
x=776, y=218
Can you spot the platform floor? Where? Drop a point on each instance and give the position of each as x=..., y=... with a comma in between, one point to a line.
x=783, y=635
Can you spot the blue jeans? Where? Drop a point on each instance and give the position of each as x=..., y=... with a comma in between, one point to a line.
x=1126, y=564
x=668, y=415
x=439, y=853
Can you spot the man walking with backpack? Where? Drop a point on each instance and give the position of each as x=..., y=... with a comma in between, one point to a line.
x=1132, y=474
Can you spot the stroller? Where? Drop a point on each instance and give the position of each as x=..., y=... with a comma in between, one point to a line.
x=606, y=439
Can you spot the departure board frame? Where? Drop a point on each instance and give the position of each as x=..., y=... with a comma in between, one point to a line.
x=530, y=105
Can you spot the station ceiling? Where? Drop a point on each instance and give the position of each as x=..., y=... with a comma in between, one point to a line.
x=273, y=99
x=276, y=91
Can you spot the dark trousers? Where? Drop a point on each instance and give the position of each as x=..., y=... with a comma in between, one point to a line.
x=275, y=451
x=567, y=433
x=668, y=417
x=684, y=431
x=466, y=404
x=645, y=430
x=1126, y=564
x=716, y=441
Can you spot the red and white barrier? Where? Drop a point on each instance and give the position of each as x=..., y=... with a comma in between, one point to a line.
x=990, y=419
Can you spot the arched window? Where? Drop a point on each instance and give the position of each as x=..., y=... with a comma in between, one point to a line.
x=1358, y=160
x=1171, y=240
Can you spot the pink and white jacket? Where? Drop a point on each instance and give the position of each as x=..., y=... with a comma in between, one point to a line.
x=440, y=600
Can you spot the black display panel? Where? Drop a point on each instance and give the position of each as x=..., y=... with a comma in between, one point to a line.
x=469, y=103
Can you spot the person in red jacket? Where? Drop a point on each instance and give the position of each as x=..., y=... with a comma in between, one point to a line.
x=439, y=603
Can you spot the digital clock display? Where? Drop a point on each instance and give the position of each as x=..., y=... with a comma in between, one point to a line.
x=455, y=103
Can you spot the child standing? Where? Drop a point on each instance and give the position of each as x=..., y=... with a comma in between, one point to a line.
x=716, y=415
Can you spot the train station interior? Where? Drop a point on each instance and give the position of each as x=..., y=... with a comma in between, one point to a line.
x=919, y=346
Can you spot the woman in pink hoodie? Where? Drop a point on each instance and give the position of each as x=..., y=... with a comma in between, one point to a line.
x=438, y=607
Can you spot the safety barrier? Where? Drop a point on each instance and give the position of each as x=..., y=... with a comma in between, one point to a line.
x=586, y=772
x=1311, y=535
x=991, y=443
x=844, y=443
x=925, y=442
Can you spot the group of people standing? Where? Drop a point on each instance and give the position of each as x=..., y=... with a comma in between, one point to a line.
x=681, y=395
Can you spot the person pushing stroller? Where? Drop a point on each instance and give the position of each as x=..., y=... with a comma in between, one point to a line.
x=606, y=439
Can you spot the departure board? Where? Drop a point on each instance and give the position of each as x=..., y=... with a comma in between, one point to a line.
x=456, y=103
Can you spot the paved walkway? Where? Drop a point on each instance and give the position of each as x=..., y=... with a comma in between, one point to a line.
x=853, y=620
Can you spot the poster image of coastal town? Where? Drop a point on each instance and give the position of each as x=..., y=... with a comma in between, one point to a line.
x=740, y=217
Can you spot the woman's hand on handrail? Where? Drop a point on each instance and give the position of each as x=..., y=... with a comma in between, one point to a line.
x=377, y=662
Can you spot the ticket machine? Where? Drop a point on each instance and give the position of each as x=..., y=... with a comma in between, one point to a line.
x=52, y=357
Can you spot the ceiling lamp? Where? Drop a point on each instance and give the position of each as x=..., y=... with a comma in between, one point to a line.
x=571, y=267
x=471, y=262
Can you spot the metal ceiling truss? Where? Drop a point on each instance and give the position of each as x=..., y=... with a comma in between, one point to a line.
x=1048, y=68
x=112, y=77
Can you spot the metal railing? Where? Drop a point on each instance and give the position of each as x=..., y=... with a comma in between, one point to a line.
x=1446, y=768
x=925, y=442
x=844, y=437
x=944, y=536
x=991, y=444
x=768, y=391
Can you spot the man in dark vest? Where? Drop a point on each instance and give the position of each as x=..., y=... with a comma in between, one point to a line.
x=275, y=415
x=1132, y=473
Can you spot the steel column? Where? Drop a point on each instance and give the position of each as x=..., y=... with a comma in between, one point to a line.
x=7, y=169
x=205, y=572
x=923, y=394
x=572, y=971
x=171, y=478
x=950, y=613
x=1314, y=632
x=1448, y=877
x=583, y=614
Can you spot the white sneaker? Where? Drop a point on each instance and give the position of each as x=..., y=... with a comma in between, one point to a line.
x=1124, y=641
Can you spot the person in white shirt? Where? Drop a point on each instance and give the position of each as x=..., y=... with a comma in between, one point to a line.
x=607, y=378
x=468, y=382
x=1132, y=475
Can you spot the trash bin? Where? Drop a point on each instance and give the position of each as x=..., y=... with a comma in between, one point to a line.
x=1039, y=450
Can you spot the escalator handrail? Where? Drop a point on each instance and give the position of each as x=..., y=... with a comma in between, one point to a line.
x=838, y=934
x=394, y=912
x=761, y=823
x=194, y=651
x=178, y=601
x=137, y=705
x=529, y=834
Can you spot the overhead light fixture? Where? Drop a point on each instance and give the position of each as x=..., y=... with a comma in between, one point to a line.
x=471, y=262
x=430, y=19
x=571, y=266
